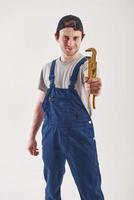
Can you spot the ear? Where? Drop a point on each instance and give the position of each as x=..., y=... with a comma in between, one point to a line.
x=82, y=37
x=56, y=37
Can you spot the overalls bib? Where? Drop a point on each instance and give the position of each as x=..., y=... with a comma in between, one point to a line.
x=68, y=134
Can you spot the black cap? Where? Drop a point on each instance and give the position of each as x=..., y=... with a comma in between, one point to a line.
x=70, y=21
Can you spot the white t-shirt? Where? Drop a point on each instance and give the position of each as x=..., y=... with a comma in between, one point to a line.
x=63, y=72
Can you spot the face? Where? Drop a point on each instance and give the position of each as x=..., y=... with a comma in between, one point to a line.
x=69, y=41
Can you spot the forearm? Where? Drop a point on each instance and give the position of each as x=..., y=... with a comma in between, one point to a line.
x=37, y=120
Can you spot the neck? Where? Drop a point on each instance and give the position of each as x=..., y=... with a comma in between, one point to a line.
x=64, y=58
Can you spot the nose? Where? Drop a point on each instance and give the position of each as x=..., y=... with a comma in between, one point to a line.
x=70, y=42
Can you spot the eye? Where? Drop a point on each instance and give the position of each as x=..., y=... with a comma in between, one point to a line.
x=76, y=37
x=66, y=38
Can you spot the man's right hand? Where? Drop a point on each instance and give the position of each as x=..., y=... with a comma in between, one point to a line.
x=32, y=147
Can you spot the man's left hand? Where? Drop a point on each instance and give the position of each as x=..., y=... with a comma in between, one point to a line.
x=93, y=86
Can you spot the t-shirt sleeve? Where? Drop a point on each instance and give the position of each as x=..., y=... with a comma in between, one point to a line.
x=41, y=84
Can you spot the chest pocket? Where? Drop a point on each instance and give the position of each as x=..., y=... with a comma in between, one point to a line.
x=60, y=103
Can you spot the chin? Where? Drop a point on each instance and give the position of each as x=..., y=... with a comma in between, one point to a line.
x=70, y=53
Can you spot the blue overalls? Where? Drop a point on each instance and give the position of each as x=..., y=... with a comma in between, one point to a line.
x=68, y=134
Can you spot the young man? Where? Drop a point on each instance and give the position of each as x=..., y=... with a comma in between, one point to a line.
x=67, y=131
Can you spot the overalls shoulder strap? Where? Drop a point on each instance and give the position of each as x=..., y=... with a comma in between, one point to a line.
x=75, y=72
x=51, y=75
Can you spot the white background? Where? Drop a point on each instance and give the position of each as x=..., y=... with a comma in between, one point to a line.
x=27, y=42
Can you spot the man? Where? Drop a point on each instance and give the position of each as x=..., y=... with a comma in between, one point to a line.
x=67, y=131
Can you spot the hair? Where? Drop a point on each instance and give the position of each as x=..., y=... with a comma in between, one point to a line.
x=72, y=24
